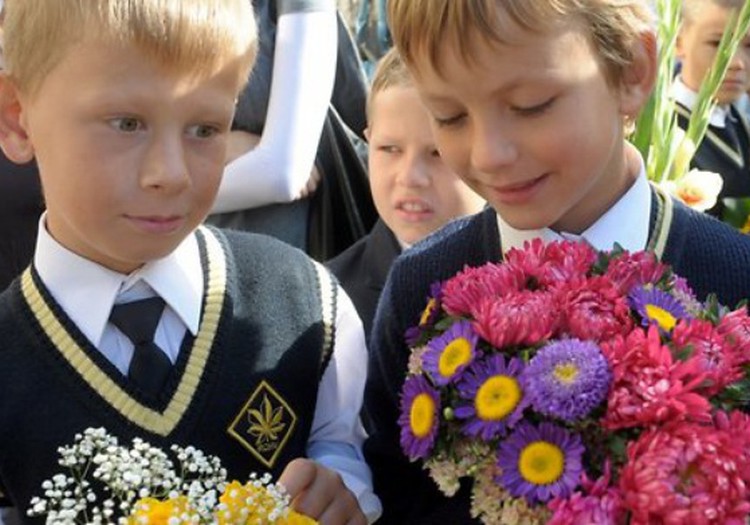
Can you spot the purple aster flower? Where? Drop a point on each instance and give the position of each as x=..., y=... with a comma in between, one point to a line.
x=657, y=307
x=493, y=397
x=450, y=353
x=540, y=463
x=567, y=379
x=429, y=315
x=420, y=407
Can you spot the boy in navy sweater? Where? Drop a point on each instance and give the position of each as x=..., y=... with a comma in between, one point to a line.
x=529, y=102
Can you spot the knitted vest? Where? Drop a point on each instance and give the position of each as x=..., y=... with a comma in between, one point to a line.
x=264, y=340
x=713, y=257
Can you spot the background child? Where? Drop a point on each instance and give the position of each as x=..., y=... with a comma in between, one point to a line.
x=414, y=191
x=725, y=148
x=529, y=102
x=126, y=107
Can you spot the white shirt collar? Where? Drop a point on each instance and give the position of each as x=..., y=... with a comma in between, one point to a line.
x=86, y=290
x=632, y=209
x=688, y=98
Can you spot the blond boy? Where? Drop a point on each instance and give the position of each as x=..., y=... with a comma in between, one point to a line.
x=414, y=192
x=529, y=102
x=126, y=106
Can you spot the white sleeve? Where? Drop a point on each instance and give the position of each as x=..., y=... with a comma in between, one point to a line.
x=304, y=71
x=337, y=433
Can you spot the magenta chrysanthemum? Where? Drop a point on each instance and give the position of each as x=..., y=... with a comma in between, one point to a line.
x=686, y=473
x=540, y=463
x=450, y=353
x=522, y=318
x=567, y=379
x=553, y=263
x=465, y=290
x=420, y=409
x=495, y=399
x=599, y=504
x=634, y=269
x=657, y=307
x=595, y=310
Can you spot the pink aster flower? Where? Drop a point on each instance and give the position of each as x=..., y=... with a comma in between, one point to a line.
x=633, y=269
x=685, y=472
x=716, y=359
x=521, y=318
x=594, y=309
x=467, y=288
x=735, y=326
x=598, y=503
x=649, y=386
x=553, y=263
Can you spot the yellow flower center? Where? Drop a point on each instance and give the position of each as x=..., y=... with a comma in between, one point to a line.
x=156, y=512
x=566, y=373
x=497, y=397
x=541, y=463
x=422, y=415
x=663, y=318
x=427, y=311
x=455, y=354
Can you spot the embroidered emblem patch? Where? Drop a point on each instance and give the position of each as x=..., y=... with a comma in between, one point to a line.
x=264, y=424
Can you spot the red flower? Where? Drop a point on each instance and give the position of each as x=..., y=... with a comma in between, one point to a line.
x=599, y=503
x=649, y=387
x=716, y=359
x=594, y=309
x=735, y=326
x=466, y=289
x=629, y=270
x=686, y=473
x=523, y=318
x=553, y=263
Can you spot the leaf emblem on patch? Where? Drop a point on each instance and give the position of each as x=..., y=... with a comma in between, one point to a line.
x=264, y=424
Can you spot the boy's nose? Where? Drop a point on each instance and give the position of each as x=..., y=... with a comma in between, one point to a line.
x=165, y=167
x=413, y=171
x=491, y=149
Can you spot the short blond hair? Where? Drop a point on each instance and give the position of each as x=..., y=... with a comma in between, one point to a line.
x=691, y=8
x=389, y=72
x=196, y=36
x=422, y=27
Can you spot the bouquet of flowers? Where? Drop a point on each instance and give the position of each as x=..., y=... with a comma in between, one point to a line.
x=110, y=483
x=572, y=386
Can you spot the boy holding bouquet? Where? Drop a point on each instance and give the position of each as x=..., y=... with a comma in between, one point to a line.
x=134, y=318
x=529, y=102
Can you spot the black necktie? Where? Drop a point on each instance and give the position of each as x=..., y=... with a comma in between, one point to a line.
x=150, y=366
x=730, y=133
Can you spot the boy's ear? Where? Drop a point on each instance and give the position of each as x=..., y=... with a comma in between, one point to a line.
x=366, y=133
x=14, y=140
x=639, y=76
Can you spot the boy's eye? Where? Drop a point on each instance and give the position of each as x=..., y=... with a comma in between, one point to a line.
x=203, y=131
x=449, y=121
x=534, y=110
x=126, y=124
x=387, y=148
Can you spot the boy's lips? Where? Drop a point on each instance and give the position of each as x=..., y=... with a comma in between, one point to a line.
x=518, y=192
x=413, y=210
x=157, y=223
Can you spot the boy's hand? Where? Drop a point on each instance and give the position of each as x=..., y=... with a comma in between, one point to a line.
x=320, y=493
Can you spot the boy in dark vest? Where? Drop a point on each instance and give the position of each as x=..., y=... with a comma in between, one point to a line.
x=529, y=102
x=725, y=148
x=131, y=316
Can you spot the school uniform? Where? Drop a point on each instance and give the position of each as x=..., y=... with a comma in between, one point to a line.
x=248, y=320
x=725, y=148
x=711, y=255
x=363, y=268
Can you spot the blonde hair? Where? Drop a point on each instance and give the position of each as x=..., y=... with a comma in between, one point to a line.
x=691, y=8
x=195, y=36
x=422, y=27
x=390, y=72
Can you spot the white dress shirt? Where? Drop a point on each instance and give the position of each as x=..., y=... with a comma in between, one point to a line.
x=625, y=223
x=688, y=98
x=86, y=291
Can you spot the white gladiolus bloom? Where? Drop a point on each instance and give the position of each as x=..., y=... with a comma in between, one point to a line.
x=697, y=189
